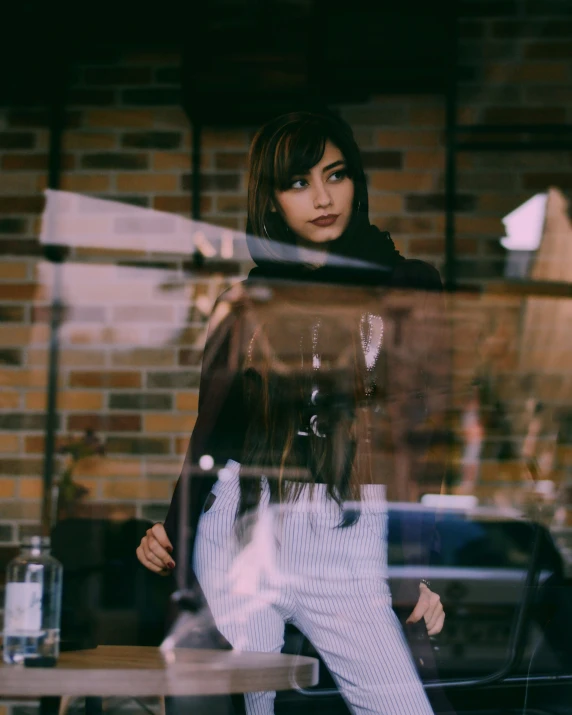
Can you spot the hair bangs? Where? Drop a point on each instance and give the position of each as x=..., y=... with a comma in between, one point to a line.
x=299, y=149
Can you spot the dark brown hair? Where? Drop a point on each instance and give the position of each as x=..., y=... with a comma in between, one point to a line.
x=285, y=147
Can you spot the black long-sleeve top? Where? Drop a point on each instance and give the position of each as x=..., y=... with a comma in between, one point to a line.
x=223, y=415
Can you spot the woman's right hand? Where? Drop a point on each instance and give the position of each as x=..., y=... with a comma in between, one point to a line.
x=155, y=550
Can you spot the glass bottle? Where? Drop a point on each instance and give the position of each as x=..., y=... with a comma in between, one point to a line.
x=32, y=603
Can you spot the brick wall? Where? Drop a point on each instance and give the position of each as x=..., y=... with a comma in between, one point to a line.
x=128, y=140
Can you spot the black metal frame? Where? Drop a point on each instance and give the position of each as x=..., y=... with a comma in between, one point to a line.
x=56, y=254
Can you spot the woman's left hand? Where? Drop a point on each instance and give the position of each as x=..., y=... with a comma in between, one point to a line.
x=428, y=606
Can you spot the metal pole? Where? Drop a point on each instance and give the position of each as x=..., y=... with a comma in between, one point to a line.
x=450, y=150
x=56, y=255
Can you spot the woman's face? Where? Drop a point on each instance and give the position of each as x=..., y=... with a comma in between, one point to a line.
x=318, y=205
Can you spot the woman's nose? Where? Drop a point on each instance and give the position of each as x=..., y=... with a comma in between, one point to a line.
x=322, y=197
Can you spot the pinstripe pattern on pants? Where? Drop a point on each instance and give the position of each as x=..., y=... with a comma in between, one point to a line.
x=299, y=566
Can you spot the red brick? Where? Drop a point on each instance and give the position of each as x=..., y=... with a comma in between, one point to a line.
x=168, y=161
x=85, y=182
x=35, y=444
x=499, y=203
x=18, y=291
x=39, y=118
x=428, y=116
x=401, y=181
x=107, y=467
x=543, y=180
x=21, y=204
x=181, y=445
x=146, y=182
x=105, y=423
x=12, y=225
x=382, y=159
x=9, y=399
x=17, y=140
x=12, y=314
x=20, y=247
x=30, y=488
x=525, y=115
x=89, y=140
x=408, y=224
x=146, y=357
x=137, y=445
x=9, y=443
x=13, y=271
x=190, y=357
x=479, y=224
x=169, y=423
x=386, y=203
x=20, y=466
x=151, y=140
x=187, y=401
x=18, y=184
x=231, y=160
x=432, y=159
x=213, y=182
x=23, y=378
x=224, y=138
x=72, y=400
x=15, y=335
x=231, y=204
x=119, y=118
x=7, y=488
x=418, y=246
x=33, y=162
x=181, y=204
x=407, y=139
x=30, y=511
x=422, y=203
x=114, y=160
x=105, y=379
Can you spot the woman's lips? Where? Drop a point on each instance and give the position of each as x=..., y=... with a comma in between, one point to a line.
x=325, y=220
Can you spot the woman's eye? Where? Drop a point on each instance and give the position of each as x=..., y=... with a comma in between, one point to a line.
x=299, y=183
x=338, y=175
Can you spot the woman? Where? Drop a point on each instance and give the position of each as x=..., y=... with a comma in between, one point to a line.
x=294, y=528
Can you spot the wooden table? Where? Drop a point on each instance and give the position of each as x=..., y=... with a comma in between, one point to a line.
x=140, y=671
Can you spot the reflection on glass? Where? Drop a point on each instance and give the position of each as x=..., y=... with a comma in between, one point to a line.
x=354, y=437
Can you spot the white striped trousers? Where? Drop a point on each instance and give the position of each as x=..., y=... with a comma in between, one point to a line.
x=299, y=566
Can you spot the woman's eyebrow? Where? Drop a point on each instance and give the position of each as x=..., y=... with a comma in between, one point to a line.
x=331, y=166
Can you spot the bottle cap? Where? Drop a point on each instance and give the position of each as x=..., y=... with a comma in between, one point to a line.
x=36, y=542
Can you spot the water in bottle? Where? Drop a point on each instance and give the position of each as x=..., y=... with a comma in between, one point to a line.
x=32, y=603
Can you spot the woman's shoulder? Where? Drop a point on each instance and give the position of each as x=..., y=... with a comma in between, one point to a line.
x=415, y=273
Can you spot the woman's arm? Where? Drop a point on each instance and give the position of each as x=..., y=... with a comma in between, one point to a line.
x=218, y=432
